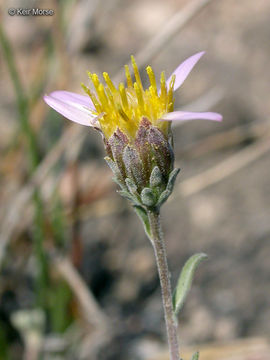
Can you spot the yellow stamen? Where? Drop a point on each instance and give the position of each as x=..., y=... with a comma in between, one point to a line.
x=109, y=82
x=95, y=80
x=102, y=97
x=139, y=96
x=124, y=107
x=122, y=113
x=136, y=72
x=128, y=76
x=163, y=89
x=123, y=95
x=154, y=103
x=170, y=92
x=152, y=78
x=110, y=97
x=170, y=107
x=92, y=97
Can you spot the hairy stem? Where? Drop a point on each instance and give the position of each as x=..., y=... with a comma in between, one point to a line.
x=164, y=276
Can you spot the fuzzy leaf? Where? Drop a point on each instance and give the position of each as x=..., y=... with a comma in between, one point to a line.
x=118, y=182
x=131, y=186
x=161, y=150
x=118, y=179
x=144, y=218
x=163, y=197
x=127, y=195
x=156, y=177
x=117, y=143
x=172, y=179
x=112, y=165
x=148, y=197
x=133, y=166
x=185, y=280
x=166, y=193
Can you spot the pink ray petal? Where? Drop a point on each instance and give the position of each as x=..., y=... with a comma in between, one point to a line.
x=71, y=97
x=75, y=107
x=183, y=70
x=186, y=115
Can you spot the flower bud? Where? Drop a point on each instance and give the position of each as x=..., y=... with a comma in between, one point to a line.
x=143, y=166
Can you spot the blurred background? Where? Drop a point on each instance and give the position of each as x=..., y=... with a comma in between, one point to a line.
x=78, y=278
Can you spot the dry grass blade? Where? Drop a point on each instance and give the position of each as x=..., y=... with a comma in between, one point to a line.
x=158, y=42
x=179, y=20
x=100, y=325
x=224, y=169
x=226, y=139
x=14, y=212
x=91, y=310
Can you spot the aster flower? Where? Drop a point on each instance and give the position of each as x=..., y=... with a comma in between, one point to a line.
x=136, y=127
x=110, y=108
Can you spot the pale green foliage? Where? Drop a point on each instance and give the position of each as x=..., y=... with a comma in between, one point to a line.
x=185, y=281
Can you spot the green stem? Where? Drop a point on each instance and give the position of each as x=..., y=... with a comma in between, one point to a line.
x=164, y=276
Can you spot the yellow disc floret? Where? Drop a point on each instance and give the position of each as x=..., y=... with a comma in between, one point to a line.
x=124, y=107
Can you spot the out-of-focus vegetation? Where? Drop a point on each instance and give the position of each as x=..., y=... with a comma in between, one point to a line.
x=78, y=278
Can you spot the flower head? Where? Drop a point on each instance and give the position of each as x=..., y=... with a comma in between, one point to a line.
x=135, y=123
x=123, y=107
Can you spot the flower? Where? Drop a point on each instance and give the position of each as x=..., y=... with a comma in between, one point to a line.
x=135, y=124
x=110, y=108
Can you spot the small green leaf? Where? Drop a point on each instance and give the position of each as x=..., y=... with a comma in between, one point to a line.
x=131, y=186
x=195, y=356
x=118, y=182
x=148, y=197
x=172, y=178
x=144, y=218
x=185, y=280
x=169, y=188
x=112, y=165
x=163, y=197
x=117, y=175
x=126, y=195
x=156, y=178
